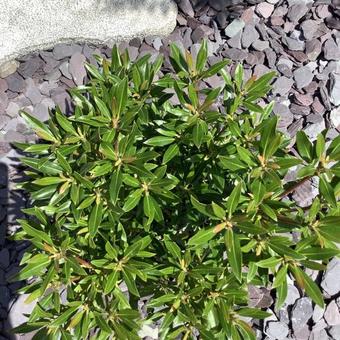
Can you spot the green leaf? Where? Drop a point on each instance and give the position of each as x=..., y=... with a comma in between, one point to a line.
x=63, y=162
x=159, y=141
x=233, y=200
x=133, y=200
x=218, y=211
x=316, y=253
x=320, y=145
x=239, y=76
x=33, y=269
x=38, y=234
x=214, y=69
x=65, y=123
x=261, y=83
x=199, y=132
x=202, y=208
x=86, y=202
x=40, y=128
x=306, y=283
x=103, y=110
x=111, y=282
x=122, y=96
x=170, y=153
x=269, y=262
x=107, y=150
x=202, y=56
x=285, y=251
x=327, y=191
x=95, y=218
x=268, y=134
x=102, y=323
x=281, y=294
x=304, y=146
x=234, y=253
x=201, y=237
x=280, y=277
x=173, y=248
x=49, y=181
x=253, y=313
x=64, y=317
x=130, y=282
x=115, y=185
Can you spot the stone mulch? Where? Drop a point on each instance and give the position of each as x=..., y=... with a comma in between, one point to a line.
x=299, y=39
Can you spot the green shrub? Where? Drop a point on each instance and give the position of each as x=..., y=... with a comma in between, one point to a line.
x=181, y=202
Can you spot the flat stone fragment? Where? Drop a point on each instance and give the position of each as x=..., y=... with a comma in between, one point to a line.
x=335, y=89
x=40, y=111
x=186, y=7
x=335, y=332
x=282, y=85
x=8, y=68
x=32, y=92
x=87, y=20
x=77, y=68
x=15, y=83
x=260, y=45
x=309, y=28
x=331, y=50
x=249, y=35
x=334, y=117
x=12, y=109
x=277, y=330
x=294, y=44
x=313, y=49
x=318, y=313
x=19, y=309
x=234, y=27
x=332, y=314
x=301, y=313
x=319, y=335
x=312, y=132
x=296, y=12
x=303, y=76
x=29, y=67
x=265, y=9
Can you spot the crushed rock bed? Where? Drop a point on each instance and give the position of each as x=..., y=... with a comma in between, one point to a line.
x=299, y=39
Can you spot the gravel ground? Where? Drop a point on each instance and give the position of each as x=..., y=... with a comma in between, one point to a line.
x=300, y=39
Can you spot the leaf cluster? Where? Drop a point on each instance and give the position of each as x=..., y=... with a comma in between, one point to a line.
x=183, y=201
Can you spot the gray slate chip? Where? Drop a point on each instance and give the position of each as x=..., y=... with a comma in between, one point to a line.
x=331, y=50
x=313, y=49
x=15, y=83
x=296, y=12
x=303, y=76
x=249, y=35
x=282, y=85
x=62, y=51
x=28, y=68
x=302, y=311
x=77, y=68
x=330, y=282
x=234, y=27
x=277, y=330
x=335, y=89
x=332, y=314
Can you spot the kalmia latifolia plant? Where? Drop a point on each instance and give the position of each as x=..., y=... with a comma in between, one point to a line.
x=183, y=204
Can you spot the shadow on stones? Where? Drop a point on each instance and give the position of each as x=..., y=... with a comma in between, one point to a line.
x=11, y=252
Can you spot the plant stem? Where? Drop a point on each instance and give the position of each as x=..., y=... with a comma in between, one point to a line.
x=295, y=186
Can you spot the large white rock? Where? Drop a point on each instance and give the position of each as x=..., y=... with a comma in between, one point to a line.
x=29, y=25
